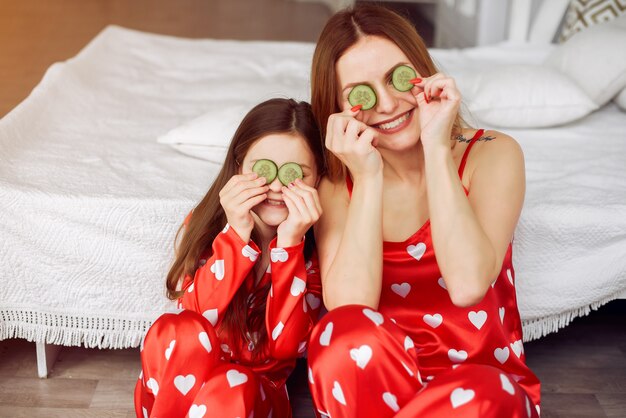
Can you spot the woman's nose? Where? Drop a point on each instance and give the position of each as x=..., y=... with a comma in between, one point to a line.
x=387, y=102
x=276, y=186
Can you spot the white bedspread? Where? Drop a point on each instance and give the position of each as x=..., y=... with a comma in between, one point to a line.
x=90, y=202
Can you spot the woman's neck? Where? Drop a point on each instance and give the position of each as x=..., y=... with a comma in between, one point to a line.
x=403, y=165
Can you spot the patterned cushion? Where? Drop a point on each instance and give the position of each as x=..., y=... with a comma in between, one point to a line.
x=584, y=13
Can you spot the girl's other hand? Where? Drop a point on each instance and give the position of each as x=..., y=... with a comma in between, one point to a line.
x=305, y=209
x=353, y=142
x=238, y=196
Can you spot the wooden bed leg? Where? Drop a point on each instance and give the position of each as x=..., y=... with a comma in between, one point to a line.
x=46, y=356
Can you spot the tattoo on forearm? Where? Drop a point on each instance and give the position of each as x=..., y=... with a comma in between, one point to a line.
x=461, y=138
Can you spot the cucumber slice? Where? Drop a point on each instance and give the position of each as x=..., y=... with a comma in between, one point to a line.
x=289, y=172
x=266, y=168
x=362, y=95
x=401, y=78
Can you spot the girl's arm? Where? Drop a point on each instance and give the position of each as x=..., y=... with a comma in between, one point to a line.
x=294, y=302
x=216, y=282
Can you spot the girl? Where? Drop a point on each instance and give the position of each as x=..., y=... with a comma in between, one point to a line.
x=245, y=276
x=415, y=241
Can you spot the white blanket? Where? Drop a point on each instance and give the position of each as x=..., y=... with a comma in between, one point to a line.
x=90, y=203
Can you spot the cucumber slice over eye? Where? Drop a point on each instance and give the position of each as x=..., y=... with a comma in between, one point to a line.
x=362, y=95
x=401, y=78
x=266, y=168
x=289, y=172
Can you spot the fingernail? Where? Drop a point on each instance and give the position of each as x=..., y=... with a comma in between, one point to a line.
x=357, y=107
x=291, y=184
x=426, y=98
x=415, y=81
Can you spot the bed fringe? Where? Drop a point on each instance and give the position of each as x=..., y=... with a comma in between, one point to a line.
x=72, y=330
x=537, y=328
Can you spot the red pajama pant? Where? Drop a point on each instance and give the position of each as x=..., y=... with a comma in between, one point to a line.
x=364, y=365
x=185, y=375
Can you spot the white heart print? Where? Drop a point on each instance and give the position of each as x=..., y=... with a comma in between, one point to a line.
x=326, y=334
x=502, y=354
x=507, y=386
x=338, y=393
x=153, y=385
x=225, y=230
x=401, y=290
x=297, y=286
x=361, y=355
x=477, y=319
x=407, y=369
x=217, y=268
x=249, y=252
x=441, y=282
x=205, y=341
x=501, y=311
x=518, y=347
x=235, y=378
x=312, y=300
x=509, y=275
x=460, y=396
x=375, y=317
x=168, y=350
x=416, y=251
x=311, y=376
x=433, y=320
x=184, y=383
x=408, y=343
x=145, y=412
x=391, y=400
x=211, y=316
x=279, y=255
x=197, y=411
x=457, y=356
x=278, y=329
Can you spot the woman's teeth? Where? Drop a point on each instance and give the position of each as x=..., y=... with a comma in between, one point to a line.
x=394, y=123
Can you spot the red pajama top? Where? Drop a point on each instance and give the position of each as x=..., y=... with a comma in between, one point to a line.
x=293, y=303
x=414, y=295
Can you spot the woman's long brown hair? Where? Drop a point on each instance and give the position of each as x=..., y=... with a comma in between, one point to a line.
x=343, y=30
x=208, y=219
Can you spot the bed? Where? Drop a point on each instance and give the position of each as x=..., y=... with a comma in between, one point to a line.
x=90, y=201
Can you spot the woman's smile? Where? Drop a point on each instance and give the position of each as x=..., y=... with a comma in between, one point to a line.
x=396, y=124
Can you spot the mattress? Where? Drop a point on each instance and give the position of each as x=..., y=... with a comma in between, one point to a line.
x=91, y=203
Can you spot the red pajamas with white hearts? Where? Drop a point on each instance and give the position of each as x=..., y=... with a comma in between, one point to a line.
x=190, y=370
x=419, y=355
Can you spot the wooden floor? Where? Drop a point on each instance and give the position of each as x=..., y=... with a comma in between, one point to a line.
x=582, y=369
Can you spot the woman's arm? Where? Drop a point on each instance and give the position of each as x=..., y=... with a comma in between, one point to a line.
x=471, y=234
x=349, y=242
x=294, y=302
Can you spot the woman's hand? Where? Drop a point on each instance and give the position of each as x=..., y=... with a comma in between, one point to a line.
x=352, y=141
x=304, y=208
x=438, y=101
x=238, y=196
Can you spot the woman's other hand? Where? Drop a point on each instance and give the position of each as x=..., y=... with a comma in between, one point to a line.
x=305, y=209
x=353, y=142
x=438, y=100
x=238, y=196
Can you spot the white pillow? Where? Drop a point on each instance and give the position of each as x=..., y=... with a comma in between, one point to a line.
x=620, y=100
x=524, y=96
x=596, y=59
x=215, y=127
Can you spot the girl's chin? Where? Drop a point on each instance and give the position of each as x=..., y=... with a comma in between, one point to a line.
x=271, y=216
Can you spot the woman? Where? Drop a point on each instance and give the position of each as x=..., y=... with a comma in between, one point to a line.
x=245, y=276
x=415, y=241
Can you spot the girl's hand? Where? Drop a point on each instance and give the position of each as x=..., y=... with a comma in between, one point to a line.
x=352, y=141
x=238, y=196
x=304, y=210
x=438, y=101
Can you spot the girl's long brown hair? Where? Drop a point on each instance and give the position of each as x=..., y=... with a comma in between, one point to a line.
x=208, y=219
x=343, y=30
